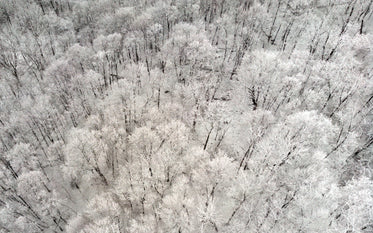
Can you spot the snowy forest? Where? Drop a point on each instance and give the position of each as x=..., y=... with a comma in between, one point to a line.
x=181, y=116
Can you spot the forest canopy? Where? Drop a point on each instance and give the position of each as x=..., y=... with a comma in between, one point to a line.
x=186, y=116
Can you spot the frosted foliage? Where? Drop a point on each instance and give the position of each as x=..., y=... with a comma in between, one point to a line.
x=22, y=158
x=27, y=183
x=186, y=116
x=104, y=225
